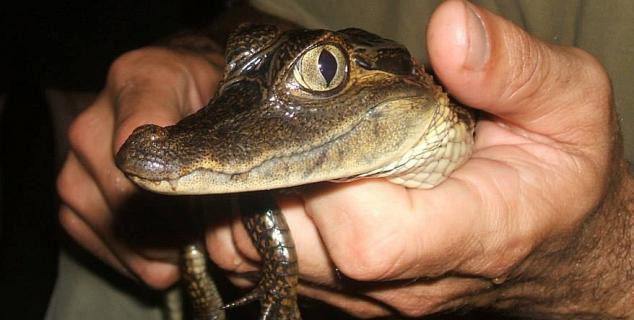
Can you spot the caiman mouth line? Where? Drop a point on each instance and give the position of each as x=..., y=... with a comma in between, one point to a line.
x=316, y=149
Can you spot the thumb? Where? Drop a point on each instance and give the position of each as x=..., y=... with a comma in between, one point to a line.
x=489, y=63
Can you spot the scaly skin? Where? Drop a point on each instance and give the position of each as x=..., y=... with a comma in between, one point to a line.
x=206, y=300
x=277, y=289
x=299, y=107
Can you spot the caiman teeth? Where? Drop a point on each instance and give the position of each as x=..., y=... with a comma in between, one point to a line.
x=174, y=184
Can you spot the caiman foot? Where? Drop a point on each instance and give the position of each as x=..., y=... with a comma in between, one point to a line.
x=277, y=289
x=202, y=291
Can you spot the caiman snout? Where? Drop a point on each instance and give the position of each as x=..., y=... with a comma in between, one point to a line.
x=147, y=154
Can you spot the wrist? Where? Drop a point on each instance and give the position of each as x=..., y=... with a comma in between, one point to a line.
x=591, y=276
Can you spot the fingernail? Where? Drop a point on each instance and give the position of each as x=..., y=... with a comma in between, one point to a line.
x=478, y=48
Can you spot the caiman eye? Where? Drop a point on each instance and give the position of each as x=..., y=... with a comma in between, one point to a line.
x=321, y=68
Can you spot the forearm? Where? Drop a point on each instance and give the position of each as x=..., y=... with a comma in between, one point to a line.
x=589, y=277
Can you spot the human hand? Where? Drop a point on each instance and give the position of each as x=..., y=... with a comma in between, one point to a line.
x=512, y=228
x=149, y=85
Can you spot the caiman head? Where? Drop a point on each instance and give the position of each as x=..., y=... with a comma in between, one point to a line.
x=293, y=108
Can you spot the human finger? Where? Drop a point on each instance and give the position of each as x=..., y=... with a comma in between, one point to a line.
x=88, y=219
x=489, y=63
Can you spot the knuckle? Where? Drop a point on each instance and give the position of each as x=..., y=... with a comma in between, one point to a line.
x=223, y=250
x=157, y=275
x=243, y=243
x=227, y=262
x=157, y=282
x=363, y=261
x=142, y=65
x=241, y=282
x=76, y=132
x=68, y=188
x=501, y=266
x=122, y=65
x=231, y=262
x=80, y=130
x=67, y=220
x=64, y=185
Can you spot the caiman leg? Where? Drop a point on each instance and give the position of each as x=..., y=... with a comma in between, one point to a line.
x=277, y=288
x=202, y=291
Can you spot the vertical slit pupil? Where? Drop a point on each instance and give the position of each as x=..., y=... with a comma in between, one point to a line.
x=327, y=65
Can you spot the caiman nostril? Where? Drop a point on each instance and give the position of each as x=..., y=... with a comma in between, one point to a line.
x=151, y=131
x=144, y=153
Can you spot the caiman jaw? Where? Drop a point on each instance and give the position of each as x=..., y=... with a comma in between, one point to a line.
x=342, y=157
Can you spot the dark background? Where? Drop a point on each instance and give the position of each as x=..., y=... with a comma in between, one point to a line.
x=64, y=45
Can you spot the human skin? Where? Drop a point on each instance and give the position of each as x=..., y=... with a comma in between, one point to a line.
x=538, y=221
